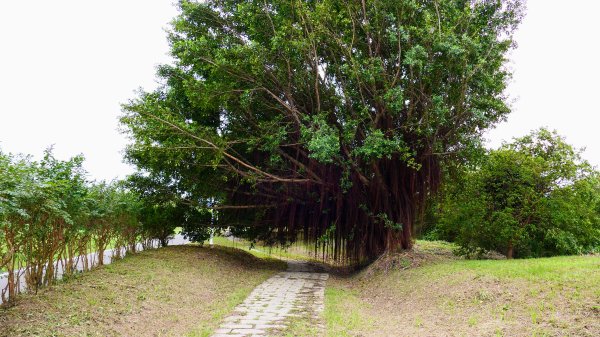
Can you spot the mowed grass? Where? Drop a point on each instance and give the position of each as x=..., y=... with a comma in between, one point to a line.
x=557, y=296
x=172, y=291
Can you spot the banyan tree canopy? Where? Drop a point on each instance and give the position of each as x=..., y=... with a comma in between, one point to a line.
x=326, y=120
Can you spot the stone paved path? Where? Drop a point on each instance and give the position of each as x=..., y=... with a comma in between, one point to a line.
x=298, y=292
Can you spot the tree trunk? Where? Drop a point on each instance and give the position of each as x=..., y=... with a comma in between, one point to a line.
x=510, y=250
x=164, y=242
x=11, y=284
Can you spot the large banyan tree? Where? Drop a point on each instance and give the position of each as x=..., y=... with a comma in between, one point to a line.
x=323, y=119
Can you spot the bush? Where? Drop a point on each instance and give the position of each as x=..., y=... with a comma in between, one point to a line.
x=533, y=197
x=49, y=212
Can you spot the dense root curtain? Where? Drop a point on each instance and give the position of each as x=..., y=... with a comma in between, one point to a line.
x=352, y=225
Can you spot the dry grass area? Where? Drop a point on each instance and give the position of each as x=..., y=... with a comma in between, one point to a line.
x=173, y=291
x=430, y=293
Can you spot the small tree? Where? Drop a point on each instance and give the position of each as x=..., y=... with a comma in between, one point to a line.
x=159, y=220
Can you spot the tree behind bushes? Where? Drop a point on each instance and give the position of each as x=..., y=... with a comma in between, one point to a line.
x=160, y=220
x=533, y=197
x=166, y=207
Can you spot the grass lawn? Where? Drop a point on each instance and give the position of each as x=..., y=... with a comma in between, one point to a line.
x=172, y=291
x=429, y=293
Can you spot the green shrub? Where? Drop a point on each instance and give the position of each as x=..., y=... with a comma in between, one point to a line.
x=532, y=197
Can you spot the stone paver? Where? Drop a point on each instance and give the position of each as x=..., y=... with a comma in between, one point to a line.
x=297, y=292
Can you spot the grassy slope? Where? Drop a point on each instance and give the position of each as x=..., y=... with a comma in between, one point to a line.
x=180, y=290
x=448, y=297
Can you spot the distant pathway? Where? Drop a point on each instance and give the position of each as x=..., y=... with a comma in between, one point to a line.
x=298, y=292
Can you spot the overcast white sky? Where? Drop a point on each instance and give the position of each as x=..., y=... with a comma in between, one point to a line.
x=67, y=65
x=65, y=68
x=556, y=80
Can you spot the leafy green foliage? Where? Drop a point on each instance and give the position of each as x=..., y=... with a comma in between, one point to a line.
x=532, y=197
x=291, y=114
x=199, y=224
x=376, y=146
x=50, y=212
x=322, y=142
x=160, y=221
